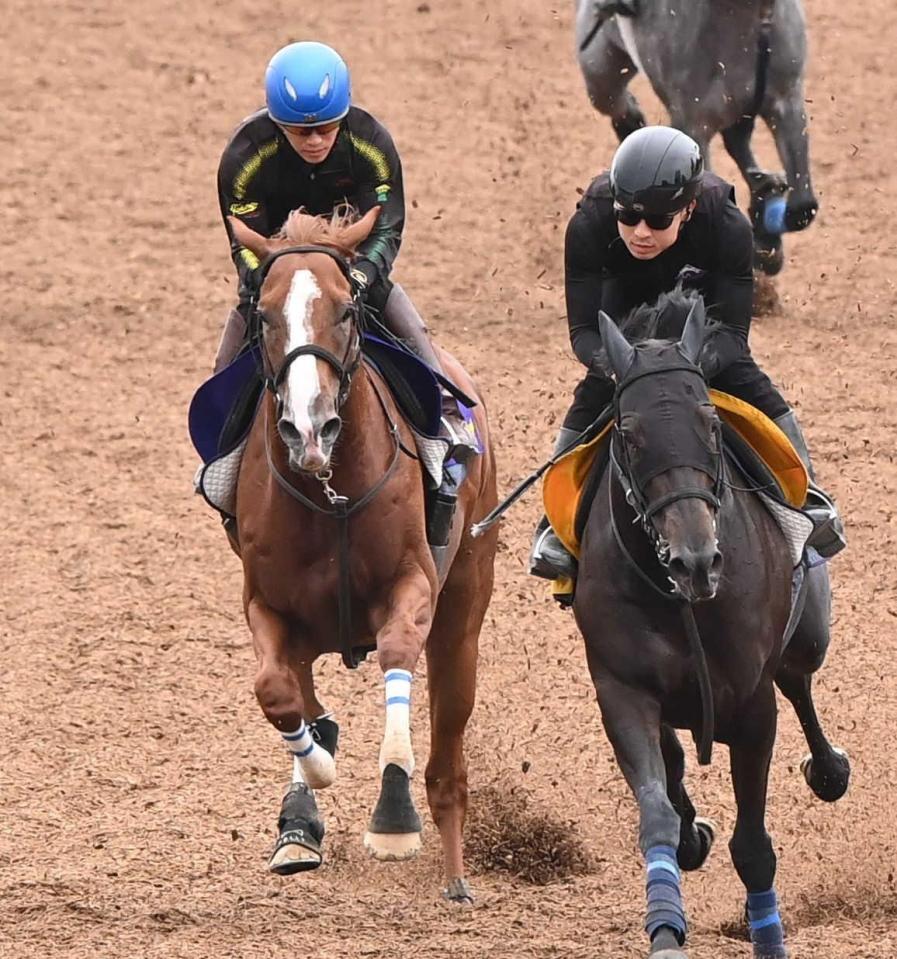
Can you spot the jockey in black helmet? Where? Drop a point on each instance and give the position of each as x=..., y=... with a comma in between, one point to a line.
x=657, y=216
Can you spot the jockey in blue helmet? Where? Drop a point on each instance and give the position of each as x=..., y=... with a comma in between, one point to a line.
x=310, y=147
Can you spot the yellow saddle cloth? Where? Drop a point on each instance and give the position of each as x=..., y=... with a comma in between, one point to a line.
x=563, y=484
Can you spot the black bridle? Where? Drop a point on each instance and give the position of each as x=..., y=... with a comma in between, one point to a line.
x=339, y=506
x=645, y=510
x=345, y=368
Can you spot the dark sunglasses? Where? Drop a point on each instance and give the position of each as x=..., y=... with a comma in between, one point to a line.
x=654, y=221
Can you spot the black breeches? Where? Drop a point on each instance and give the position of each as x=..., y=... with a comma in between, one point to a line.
x=590, y=397
x=743, y=379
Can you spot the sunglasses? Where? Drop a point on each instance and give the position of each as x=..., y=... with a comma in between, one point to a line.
x=303, y=131
x=654, y=221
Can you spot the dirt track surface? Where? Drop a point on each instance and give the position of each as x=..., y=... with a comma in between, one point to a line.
x=139, y=783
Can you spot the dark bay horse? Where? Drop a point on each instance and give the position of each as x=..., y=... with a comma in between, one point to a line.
x=715, y=65
x=328, y=445
x=676, y=531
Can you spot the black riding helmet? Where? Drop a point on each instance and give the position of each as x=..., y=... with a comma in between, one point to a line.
x=656, y=170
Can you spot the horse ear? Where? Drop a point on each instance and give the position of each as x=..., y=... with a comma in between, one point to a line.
x=620, y=351
x=358, y=232
x=245, y=236
x=692, y=339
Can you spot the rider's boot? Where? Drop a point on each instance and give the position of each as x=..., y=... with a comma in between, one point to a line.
x=233, y=336
x=827, y=537
x=403, y=320
x=549, y=558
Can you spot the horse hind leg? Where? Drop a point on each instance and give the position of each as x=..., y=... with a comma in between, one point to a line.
x=751, y=848
x=827, y=768
x=452, y=653
x=696, y=835
x=607, y=69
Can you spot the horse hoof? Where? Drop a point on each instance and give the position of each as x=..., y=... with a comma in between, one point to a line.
x=295, y=851
x=392, y=846
x=828, y=783
x=706, y=833
x=769, y=257
x=458, y=891
x=669, y=954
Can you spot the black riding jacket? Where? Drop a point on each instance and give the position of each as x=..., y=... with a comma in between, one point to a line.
x=261, y=179
x=601, y=273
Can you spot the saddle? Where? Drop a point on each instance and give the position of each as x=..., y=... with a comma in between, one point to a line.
x=752, y=441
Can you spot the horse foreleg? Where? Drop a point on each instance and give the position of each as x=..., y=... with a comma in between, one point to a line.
x=394, y=830
x=696, y=835
x=827, y=768
x=751, y=848
x=632, y=721
x=277, y=688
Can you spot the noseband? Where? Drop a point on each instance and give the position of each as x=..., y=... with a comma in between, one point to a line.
x=344, y=368
x=645, y=509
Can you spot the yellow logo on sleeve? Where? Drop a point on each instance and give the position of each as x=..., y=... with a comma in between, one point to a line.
x=243, y=209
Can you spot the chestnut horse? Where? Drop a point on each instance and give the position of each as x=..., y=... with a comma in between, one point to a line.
x=331, y=531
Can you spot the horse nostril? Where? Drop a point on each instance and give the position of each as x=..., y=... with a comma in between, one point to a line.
x=716, y=564
x=330, y=430
x=678, y=567
x=288, y=432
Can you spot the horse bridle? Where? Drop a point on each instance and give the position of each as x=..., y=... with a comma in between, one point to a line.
x=345, y=368
x=645, y=510
x=340, y=509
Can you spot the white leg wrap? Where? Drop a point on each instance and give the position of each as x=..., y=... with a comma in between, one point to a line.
x=312, y=764
x=396, y=746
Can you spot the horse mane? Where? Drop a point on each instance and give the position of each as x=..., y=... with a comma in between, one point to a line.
x=303, y=229
x=662, y=320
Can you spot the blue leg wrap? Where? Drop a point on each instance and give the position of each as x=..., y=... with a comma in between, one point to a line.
x=765, y=925
x=663, y=893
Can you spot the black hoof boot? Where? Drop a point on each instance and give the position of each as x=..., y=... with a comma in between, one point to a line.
x=300, y=833
x=829, y=780
x=325, y=732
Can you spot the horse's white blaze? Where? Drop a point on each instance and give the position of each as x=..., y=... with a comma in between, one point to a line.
x=396, y=746
x=302, y=376
x=624, y=25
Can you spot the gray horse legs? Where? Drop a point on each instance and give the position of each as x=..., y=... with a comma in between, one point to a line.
x=608, y=69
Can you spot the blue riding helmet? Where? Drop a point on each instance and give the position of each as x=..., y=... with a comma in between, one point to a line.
x=307, y=84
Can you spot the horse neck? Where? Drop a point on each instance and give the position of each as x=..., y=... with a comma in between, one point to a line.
x=365, y=446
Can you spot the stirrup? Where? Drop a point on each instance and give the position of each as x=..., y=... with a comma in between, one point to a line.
x=550, y=559
x=461, y=435
x=827, y=538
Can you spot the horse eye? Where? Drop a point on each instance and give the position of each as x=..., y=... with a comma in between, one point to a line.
x=347, y=314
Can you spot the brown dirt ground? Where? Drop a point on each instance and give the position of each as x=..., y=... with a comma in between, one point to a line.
x=138, y=781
